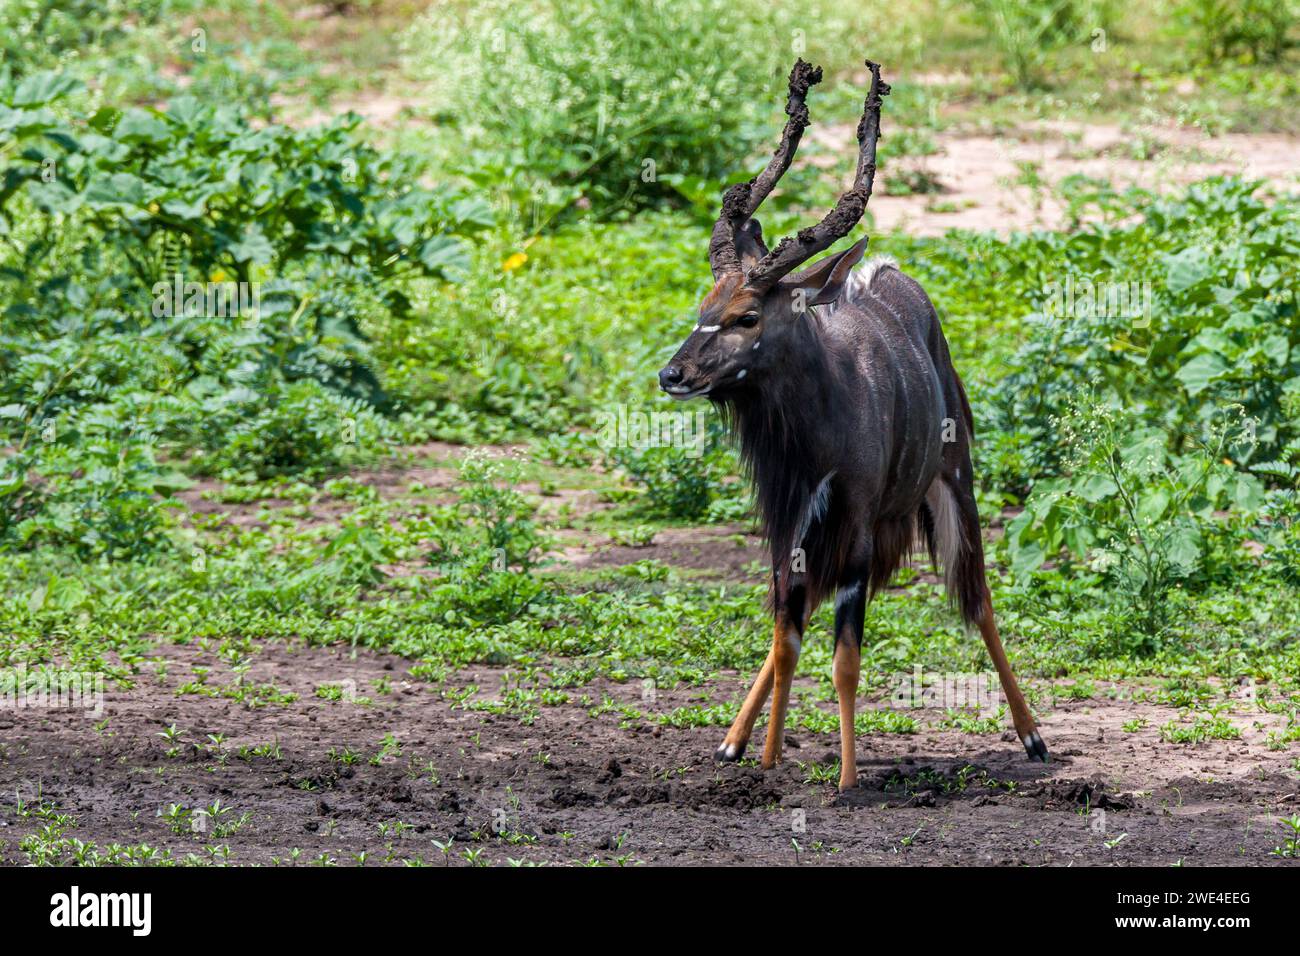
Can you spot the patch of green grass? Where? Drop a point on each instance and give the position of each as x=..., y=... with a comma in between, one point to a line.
x=973, y=723
x=820, y=773
x=1200, y=729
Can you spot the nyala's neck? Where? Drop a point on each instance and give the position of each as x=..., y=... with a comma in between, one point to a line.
x=786, y=430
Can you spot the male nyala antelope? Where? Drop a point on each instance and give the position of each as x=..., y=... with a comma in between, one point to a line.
x=852, y=423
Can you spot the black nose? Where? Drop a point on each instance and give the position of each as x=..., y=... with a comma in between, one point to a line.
x=671, y=375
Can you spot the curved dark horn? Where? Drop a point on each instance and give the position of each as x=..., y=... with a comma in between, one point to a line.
x=742, y=200
x=790, y=253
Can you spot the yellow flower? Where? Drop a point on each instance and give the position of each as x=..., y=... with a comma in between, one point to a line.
x=514, y=262
x=218, y=276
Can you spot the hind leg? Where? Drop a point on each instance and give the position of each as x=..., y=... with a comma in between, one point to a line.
x=956, y=535
x=1026, y=729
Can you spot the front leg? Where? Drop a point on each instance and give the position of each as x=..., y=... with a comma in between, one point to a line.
x=737, y=739
x=787, y=641
x=733, y=745
x=850, y=611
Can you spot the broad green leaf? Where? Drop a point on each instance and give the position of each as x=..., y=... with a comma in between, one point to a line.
x=1096, y=488
x=1199, y=371
x=443, y=253
x=1183, y=547
x=253, y=246
x=119, y=189
x=45, y=87
x=1247, y=494
x=141, y=126
x=1187, y=268
x=1153, y=504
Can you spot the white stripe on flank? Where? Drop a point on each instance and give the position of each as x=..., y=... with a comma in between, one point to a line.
x=817, y=505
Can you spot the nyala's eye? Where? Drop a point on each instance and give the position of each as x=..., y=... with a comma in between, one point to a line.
x=748, y=320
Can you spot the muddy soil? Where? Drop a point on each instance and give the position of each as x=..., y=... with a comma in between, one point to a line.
x=569, y=787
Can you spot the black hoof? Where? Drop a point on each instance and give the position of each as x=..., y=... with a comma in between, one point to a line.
x=1035, y=747
x=729, y=753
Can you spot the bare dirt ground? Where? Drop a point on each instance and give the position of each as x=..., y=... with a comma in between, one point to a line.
x=571, y=787
x=983, y=179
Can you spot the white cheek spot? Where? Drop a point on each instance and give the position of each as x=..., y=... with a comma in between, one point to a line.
x=741, y=374
x=707, y=328
x=756, y=345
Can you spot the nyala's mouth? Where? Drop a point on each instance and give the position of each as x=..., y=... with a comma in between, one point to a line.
x=683, y=392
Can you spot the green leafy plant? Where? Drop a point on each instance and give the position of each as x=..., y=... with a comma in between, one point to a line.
x=296, y=428
x=1255, y=30
x=1210, y=319
x=565, y=99
x=125, y=232
x=95, y=487
x=1139, y=515
x=501, y=517
x=686, y=479
x=1027, y=31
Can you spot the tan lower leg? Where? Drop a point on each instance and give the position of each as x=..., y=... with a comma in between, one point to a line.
x=786, y=644
x=1020, y=715
x=741, y=728
x=844, y=673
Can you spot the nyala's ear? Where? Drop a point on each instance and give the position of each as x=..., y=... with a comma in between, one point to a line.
x=749, y=244
x=824, y=281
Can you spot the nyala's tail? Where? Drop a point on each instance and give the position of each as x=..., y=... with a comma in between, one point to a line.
x=950, y=526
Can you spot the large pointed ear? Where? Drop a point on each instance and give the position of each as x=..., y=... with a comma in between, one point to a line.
x=824, y=280
x=749, y=244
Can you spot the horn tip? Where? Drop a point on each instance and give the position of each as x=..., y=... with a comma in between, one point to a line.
x=803, y=75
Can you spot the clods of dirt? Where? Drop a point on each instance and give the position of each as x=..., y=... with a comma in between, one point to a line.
x=1093, y=793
